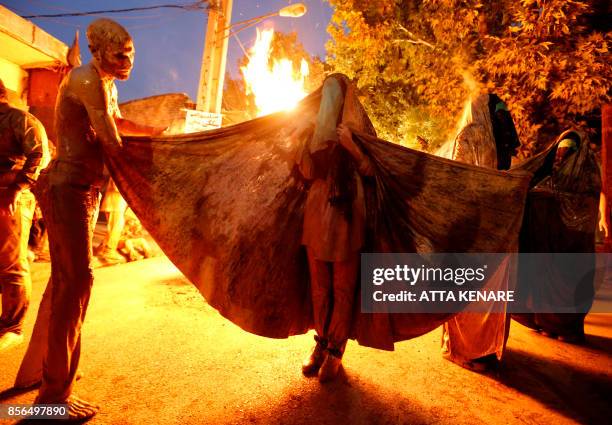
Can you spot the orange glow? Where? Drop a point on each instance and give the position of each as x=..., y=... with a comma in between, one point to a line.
x=276, y=87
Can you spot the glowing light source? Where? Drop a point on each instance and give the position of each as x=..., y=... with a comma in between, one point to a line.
x=276, y=86
x=293, y=11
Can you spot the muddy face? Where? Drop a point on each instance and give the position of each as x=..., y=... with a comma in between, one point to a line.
x=117, y=60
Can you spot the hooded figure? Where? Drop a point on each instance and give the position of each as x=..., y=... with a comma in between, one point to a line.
x=487, y=136
x=561, y=217
x=488, y=139
x=334, y=227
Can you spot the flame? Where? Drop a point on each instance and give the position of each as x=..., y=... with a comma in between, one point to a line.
x=276, y=87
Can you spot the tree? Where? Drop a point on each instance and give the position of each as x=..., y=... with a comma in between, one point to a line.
x=552, y=65
x=416, y=62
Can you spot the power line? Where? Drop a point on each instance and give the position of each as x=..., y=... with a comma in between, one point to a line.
x=198, y=5
x=40, y=3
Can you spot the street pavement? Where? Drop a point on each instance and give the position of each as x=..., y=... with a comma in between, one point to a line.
x=154, y=352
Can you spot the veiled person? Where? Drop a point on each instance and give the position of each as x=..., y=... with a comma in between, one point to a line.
x=488, y=138
x=561, y=217
x=334, y=228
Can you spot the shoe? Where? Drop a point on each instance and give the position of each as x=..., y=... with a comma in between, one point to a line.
x=311, y=365
x=9, y=340
x=330, y=367
x=482, y=364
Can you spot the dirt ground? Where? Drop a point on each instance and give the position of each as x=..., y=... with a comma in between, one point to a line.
x=154, y=352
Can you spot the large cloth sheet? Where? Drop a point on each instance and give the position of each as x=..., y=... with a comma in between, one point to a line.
x=226, y=206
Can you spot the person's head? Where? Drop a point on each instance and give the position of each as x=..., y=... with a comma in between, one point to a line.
x=111, y=47
x=570, y=143
x=3, y=93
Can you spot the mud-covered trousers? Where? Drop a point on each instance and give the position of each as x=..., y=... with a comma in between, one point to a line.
x=70, y=212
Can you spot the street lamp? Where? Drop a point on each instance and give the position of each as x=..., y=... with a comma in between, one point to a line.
x=219, y=29
x=292, y=11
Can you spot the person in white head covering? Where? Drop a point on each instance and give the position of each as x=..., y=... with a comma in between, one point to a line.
x=487, y=139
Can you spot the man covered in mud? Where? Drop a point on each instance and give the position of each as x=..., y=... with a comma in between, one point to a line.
x=87, y=117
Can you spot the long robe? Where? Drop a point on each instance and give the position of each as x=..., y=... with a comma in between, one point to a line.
x=561, y=217
x=226, y=206
x=472, y=335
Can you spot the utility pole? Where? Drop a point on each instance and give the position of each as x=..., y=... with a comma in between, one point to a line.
x=212, y=72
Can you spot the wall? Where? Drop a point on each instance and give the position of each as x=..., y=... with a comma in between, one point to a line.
x=43, y=88
x=15, y=79
x=166, y=110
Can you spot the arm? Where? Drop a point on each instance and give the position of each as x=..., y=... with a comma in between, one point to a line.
x=97, y=102
x=34, y=144
x=130, y=128
x=36, y=149
x=305, y=165
x=345, y=138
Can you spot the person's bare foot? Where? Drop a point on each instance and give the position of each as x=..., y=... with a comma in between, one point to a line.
x=80, y=410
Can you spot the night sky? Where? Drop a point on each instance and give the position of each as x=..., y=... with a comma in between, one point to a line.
x=169, y=42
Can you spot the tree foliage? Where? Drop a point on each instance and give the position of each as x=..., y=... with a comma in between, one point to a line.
x=417, y=61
